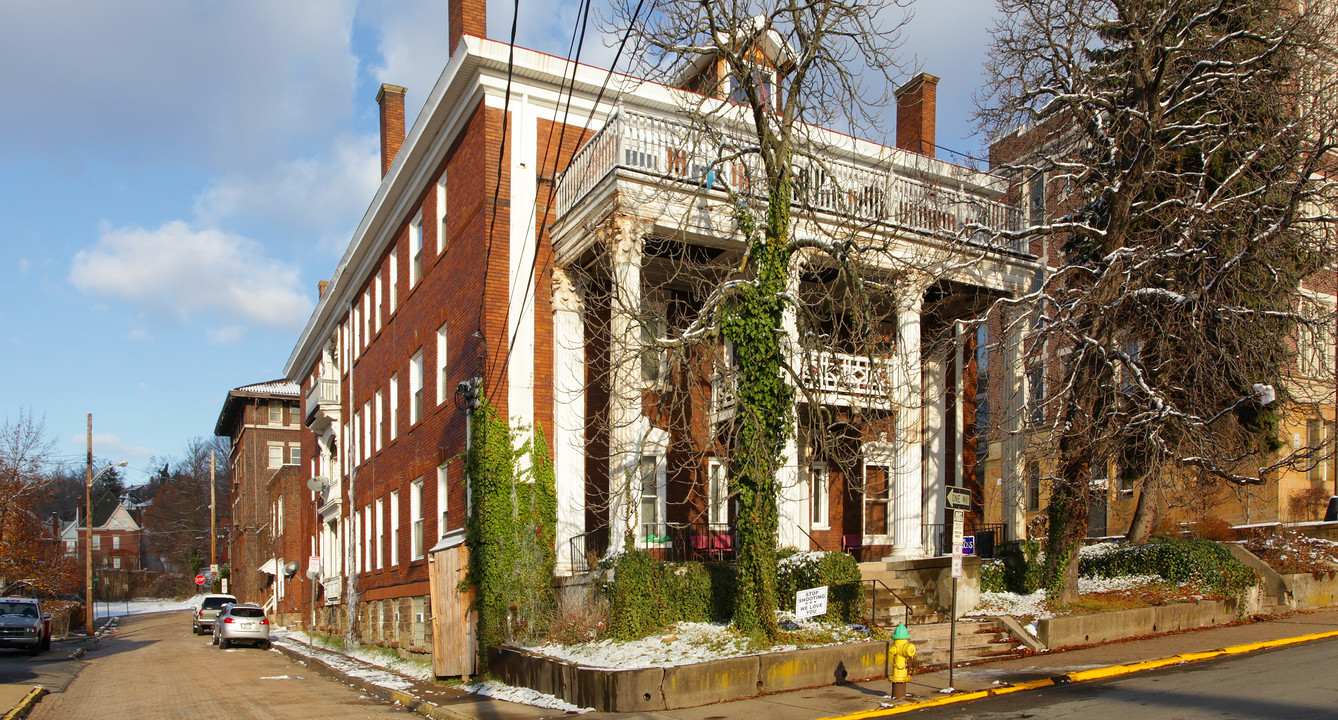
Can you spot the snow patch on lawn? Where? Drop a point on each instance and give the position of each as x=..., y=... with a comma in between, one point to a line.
x=525, y=696
x=1036, y=605
x=144, y=606
x=298, y=641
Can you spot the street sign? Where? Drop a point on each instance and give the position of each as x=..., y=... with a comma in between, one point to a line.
x=314, y=562
x=811, y=602
x=969, y=545
x=199, y=579
x=958, y=521
x=956, y=568
x=958, y=498
x=213, y=569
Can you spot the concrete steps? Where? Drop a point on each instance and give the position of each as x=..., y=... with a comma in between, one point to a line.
x=976, y=640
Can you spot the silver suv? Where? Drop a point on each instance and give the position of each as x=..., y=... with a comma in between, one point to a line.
x=202, y=620
x=242, y=623
x=23, y=625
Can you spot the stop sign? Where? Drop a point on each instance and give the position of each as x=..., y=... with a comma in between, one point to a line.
x=199, y=579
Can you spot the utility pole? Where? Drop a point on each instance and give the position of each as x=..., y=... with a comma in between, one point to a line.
x=88, y=532
x=213, y=510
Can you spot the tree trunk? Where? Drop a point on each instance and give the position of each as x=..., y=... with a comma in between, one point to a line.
x=1145, y=514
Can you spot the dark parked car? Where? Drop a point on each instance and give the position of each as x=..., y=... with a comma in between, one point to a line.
x=202, y=620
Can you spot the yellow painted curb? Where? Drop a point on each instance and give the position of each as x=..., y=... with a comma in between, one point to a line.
x=26, y=704
x=1101, y=673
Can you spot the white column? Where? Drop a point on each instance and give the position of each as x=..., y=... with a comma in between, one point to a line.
x=1014, y=440
x=523, y=245
x=568, y=413
x=792, y=499
x=935, y=431
x=908, y=481
x=624, y=379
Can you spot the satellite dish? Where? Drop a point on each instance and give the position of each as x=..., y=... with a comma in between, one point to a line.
x=316, y=485
x=290, y=568
x=314, y=573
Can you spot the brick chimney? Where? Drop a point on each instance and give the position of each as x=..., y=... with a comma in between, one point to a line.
x=391, y=100
x=916, y=101
x=466, y=17
x=320, y=286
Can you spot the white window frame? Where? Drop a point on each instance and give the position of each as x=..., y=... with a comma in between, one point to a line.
x=394, y=528
x=819, y=487
x=441, y=214
x=271, y=407
x=416, y=388
x=717, y=491
x=294, y=453
x=416, y=519
x=367, y=430
x=416, y=250
x=116, y=542
x=367, y=535
x=394, y=405
x=278, y=517
x=380, y=533
x=355, y=323
x=380, y=418
x=367, y=318
x=97, y=541
x=443, y=497
x=393, y=270
x=442, y=360
x=883, y=455
x=1314, y=342
x=377, y=301
x=275, y=455
x=657, y=447
x=116, y=563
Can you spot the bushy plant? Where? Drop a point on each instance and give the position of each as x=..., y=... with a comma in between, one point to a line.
x=993, y=576
x=1176, y=560
x=1023, y=567
x=646, y=595
x=837, y=570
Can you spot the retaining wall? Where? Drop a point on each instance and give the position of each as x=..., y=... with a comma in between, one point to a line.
x=1103, y=627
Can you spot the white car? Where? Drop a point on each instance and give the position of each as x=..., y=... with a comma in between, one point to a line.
x=24, y=625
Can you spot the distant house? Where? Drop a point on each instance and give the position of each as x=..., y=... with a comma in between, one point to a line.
x=263, y=421
x=117, y=540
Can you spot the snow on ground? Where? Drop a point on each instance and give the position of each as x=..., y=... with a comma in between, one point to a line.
x=352, y=666
x=142, y=606
x=525, y=696
x=686, y=643
x=1035, y=604
x=298, y=641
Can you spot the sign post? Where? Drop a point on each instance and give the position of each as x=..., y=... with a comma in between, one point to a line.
x=958, y=501
x=199, y=579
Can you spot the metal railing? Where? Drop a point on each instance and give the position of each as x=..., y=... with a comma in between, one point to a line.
x=871, y=592
x=937, y=540
x=682, y=542
x=588, y=548
x=677, y=151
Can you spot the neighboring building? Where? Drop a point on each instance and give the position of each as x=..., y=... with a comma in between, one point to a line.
x=263, y=422
x=443, y=284
x=117, y=540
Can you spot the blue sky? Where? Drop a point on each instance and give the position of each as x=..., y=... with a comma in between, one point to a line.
x=175, y=177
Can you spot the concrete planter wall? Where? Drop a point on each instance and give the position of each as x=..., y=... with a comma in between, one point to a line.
x=931, y=578
x=1307, y=591
x=1103, y=627
x=649, y=689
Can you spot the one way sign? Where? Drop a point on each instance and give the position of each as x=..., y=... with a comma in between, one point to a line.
x=958, y=498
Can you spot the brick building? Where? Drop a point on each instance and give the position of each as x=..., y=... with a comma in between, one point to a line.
x=263, y=421
x=540, y=272
x=117, y=540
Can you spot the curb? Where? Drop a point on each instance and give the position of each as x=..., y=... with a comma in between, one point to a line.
x=26, y=704
x=422, y=707
x=1102, y=673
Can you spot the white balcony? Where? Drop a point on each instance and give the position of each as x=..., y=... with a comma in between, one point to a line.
x=829, y=379
x=322, y=404
x=677, y=153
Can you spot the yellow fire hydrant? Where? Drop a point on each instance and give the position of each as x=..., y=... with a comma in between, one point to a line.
x=902, y=652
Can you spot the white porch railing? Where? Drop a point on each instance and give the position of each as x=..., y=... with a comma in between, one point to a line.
x=723, y=396
x=323, y=392
x=675, y=151
x=842, y=378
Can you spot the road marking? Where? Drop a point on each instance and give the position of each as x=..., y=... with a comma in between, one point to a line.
x=1100, y=673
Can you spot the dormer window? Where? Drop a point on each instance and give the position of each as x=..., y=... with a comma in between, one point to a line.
x=763, y=78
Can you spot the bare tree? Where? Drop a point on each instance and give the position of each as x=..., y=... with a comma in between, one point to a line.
x=1174, y=155
x=26, y=480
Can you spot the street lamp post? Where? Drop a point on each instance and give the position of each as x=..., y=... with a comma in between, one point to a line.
x=89, y=613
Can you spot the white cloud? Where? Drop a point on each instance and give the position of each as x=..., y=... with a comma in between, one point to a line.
x=326, y=194
x=178, y=271
x=234, y=82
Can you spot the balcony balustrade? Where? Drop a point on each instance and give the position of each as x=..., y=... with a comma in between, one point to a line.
x=322, y=403
x=674, y=151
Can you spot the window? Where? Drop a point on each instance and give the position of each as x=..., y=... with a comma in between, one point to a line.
x=367, y=318
x=394, y=405
x=1314, y=432
x=380, y=418
x=441, y=365
x=394, y=270
x=442, y=489
x=116, y=563
x=278, y=517
x=762, y=78
x=294, y=454
x=416, y=250
x=367, y=536
x=416, y=387
x=818, y=486
x=70, y=546
x=1036, y=199
x=275, y=455
x=380, y=534
x=1036, y=396
x=651, y=527
x=275, y=413
x=1314, y=340
x=441, y=214
x=116, y=542
x=295, y=415
x=395, y=527
x=367, y=430
x=416, y=519
x=1033, y=485
x=377, y=302
x=357, y=342
x=717, y=499
x=97, y=541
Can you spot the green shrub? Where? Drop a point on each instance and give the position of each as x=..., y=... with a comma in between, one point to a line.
x=646, y=596
x=1023, y=567
x=838, y=571
x=1175, y=560
x=993, y=576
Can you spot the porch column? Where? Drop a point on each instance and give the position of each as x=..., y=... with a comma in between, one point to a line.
x=935, y=434
x=1014, y=440
x=908, y=483
x=625, y=241
x=793, y=496
x=568, y=412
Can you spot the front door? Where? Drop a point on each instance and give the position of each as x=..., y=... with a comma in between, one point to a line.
x=875, y=500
